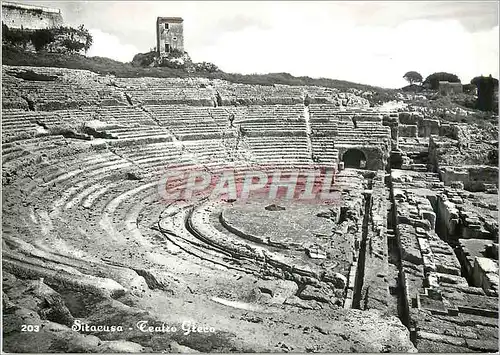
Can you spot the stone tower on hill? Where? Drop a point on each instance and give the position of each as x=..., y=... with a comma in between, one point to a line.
x=169, y=35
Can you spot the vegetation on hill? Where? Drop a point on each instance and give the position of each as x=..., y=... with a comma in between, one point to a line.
x=174, y=60
x=59, y=39
x=433, y=80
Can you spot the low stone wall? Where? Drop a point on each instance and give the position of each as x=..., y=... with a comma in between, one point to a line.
x=473, y=178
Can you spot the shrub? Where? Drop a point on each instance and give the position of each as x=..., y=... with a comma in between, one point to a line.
x=176, y=60
x=175, y=53
x=54, y=39
x=144, y=59
x=15, y=37
x=42, y=38
x=72, y=45
x=89, y=40
x=173, y=64
x=433, y=80
x=205, y=67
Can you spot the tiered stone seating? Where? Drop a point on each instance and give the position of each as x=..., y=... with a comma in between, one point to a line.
x=213, y=151
x=333, y=129
x=150, y=133
x=122, y=116
x=78, y=173
x=366, y=135
x=11, y=98
x=10, y=152
x=49, y=96
x=227, y=93
x=328, y=120
x=19, y=124
x=188, y=123
x=326, y=111
x=244, y=94
x=324, y=150
x=41, y=144
x=155, y=157
x=67, y=89
x=20, y=153
x=172, y=96
x=329, y=111
x=279, y=120
x=148, y=83
x=319, y=94
x=280, y=149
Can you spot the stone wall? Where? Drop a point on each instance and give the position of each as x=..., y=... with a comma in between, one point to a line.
x=30, y=17
x=425, y=126
x=376, y=156
x=447, y=88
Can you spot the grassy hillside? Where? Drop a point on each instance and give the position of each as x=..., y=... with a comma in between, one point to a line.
x=15, y=56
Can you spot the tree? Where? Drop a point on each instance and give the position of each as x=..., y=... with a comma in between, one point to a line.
x=73, y=46
x=41, y=38
x=433, y=80
x=15, y=36
x=486, y=86
x=89, y=40
x=413, y=77
x=478, y=79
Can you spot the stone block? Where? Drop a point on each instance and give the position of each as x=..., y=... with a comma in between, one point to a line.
x=483, y=267
x=431, y=217
x=483, y=345
x=407, y=130
x=440, y=338
x=407, y=118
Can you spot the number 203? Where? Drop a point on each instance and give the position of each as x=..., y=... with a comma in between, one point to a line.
x=30, y=328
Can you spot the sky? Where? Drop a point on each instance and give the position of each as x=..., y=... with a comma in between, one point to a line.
x=371, y=42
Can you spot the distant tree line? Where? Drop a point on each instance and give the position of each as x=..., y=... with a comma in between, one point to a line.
x=486, y=86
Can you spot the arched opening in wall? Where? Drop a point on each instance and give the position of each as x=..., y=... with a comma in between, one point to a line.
x=354, y=158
